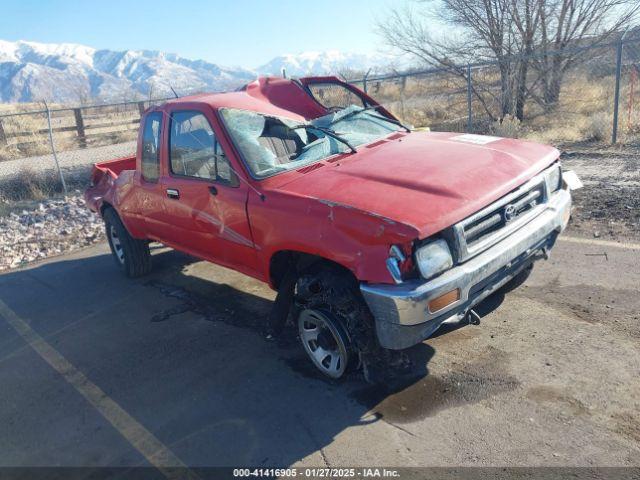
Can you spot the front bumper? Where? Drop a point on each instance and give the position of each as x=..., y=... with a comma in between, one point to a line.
x=401, y=314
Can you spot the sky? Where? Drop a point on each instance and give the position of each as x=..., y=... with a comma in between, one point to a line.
x=246, y=33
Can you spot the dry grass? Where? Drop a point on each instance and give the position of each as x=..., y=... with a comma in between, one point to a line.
x=30, y=184
x=6, y=108
x=32, y=129
x=584, y=112
x=509, y=126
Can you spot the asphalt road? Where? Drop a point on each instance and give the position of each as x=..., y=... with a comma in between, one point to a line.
x=173, y=369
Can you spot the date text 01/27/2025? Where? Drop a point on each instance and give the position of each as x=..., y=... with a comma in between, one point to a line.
x=317, y=472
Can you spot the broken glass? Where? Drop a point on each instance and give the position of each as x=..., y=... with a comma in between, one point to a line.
x=271, y=144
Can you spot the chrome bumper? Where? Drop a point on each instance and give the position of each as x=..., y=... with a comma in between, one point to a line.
x=401, y=313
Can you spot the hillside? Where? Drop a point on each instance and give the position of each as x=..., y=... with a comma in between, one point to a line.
x=70, y=73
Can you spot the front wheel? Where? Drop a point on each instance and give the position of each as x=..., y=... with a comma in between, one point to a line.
x=131, y=255
x=335, y=326
x=325, y=341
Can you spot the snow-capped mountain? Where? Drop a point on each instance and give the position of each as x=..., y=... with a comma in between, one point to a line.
x=330, y=61
x=32, y=71
x=69, y=73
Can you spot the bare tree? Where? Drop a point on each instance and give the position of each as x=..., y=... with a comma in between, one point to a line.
x=567, y=24
x=482, y=33
x=525, y=16
x=518, y=35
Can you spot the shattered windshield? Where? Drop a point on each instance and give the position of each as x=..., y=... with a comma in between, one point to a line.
x=270, y=145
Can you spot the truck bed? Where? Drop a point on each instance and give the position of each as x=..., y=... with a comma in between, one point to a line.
x=113, y=167
x=103, y=177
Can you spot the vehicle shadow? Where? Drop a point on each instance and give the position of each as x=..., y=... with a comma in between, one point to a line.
x=201, y=374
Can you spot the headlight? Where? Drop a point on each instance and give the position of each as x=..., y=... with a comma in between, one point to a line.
x=433, y=258
x=554, y=178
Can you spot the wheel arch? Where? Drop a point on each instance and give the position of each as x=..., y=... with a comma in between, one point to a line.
x=282, y=261
x=134, y=229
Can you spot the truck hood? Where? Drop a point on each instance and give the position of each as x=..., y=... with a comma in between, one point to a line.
x=427, y=181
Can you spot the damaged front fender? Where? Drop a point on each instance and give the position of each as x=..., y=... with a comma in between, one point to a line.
x=357, y=240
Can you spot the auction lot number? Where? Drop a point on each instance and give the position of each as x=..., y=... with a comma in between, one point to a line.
x=316, y=472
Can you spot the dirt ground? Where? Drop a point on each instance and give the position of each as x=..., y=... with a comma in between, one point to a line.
x=609, y=205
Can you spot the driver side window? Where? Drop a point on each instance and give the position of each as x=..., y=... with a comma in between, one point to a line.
x=194, y=150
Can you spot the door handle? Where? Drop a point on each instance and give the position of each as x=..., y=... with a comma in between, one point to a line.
x=213, y=190
x=173, y=193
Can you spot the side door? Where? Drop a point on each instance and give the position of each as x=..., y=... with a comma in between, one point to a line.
x=205, y=201
x=150, y=193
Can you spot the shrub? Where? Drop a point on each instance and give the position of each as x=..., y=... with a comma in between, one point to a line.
x=508, y=126
x=598, y=127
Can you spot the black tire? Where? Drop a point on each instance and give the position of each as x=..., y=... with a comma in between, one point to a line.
x=518, y=280
x=335, y=294
x=131, y=255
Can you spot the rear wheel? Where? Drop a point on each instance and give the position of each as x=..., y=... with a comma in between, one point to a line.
x=130, y=254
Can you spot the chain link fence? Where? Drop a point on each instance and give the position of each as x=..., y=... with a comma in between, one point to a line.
x=587, y=94
x=48, y=150
x=629, y=103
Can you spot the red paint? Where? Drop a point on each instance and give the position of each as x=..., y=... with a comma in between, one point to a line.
x=350, y=208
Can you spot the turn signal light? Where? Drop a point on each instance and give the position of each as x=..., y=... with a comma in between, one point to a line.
x=444, y=300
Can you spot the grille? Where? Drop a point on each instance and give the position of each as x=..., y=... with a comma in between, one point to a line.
x=499, y=219
x=492, y=222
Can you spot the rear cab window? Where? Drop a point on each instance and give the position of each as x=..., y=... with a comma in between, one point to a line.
x=333, y=96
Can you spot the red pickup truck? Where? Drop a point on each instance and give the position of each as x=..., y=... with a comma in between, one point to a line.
x=373, y=235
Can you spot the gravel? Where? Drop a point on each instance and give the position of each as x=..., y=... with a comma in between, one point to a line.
x=52, y=228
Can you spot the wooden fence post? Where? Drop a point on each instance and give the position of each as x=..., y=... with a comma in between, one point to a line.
x=141, y=108
x=80, y=127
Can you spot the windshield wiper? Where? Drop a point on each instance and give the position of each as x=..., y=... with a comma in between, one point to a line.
x=369, y=108
x=326, y=131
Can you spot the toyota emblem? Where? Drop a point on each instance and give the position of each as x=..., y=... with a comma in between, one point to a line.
x=509, y=213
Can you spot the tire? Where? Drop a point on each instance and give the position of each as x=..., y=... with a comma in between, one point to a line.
x=131, y=255
x=331, y=298
x=518, y=280
x=326, y=342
